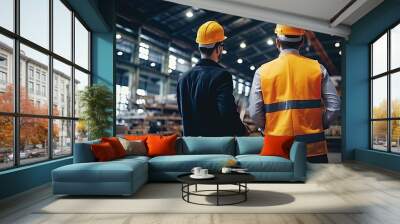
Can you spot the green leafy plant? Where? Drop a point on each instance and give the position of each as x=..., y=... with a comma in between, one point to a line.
x=96, y=102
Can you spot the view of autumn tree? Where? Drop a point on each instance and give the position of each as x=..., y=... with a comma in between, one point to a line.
x=33, y=131
x=380, y=128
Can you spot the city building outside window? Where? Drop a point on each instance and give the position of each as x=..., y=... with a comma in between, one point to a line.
x=44, y=131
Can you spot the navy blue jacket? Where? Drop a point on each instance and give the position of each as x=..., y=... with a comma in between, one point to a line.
x=206, y=103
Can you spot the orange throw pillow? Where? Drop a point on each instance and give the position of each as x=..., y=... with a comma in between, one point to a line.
x=161, y=145
x=116, y=145
x=136, y=137
x=103, y=152
x=277, y=146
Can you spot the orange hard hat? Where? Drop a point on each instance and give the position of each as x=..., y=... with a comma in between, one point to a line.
x=288, y=30
x=210, y=33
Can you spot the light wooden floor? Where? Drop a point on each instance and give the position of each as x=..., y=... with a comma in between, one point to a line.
x=379, y=189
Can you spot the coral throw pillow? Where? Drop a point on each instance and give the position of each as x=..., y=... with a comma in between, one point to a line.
x=277, y=146
x=161, y=145
x=136, y=137
x=116, y=145
x=103, y=152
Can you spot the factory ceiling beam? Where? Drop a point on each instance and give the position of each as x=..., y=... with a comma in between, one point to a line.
x=157, y=30
x=246, y=28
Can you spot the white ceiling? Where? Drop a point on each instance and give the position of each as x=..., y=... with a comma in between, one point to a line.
x=316, y=15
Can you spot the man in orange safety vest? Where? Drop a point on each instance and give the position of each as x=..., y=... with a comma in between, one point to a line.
x=293, y=96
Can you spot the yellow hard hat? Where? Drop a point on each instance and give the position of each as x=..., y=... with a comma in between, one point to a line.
x=288, y=30
x=210, y=33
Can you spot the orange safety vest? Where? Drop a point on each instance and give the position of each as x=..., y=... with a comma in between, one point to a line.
x=291, y=89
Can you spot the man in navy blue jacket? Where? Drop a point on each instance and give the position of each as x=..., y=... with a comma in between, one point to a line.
x=204, y=93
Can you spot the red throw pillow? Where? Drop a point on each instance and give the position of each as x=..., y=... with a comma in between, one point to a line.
x=161, y=145
x=277, y=146
x=136, y=137
x=116, y=145
x=103, y=152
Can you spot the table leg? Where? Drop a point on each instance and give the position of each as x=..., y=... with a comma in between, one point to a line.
x=188, y=190
x=245, y=193
x=217, y=194
x=196, y=188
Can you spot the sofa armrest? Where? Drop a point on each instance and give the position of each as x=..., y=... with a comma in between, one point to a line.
x=83, y=152
x=298, y=155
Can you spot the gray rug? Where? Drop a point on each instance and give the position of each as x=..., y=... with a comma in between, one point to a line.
x=166, y=198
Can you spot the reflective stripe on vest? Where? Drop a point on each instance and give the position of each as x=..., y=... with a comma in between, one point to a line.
x=292, y=104
x=311, y=138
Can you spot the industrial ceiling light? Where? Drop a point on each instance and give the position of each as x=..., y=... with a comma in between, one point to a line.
x=243, y=45
x=337, y=44
x=189, y=14
x=118, y=36
x=153, y=64
x=270, y=42
x=181, y=61
x=252, y=68
x=120, y=53
x=239, y=61
x=224, y=51
x=128, y=30
x=340, y=52
x=195, y=60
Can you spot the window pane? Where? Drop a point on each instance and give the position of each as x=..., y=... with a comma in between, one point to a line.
x=81, y=45
x=62, y=89
x=81, y=132
x=34, y=97
x=379, y=97
x=379, y=55
x=395, y=47
x=395, y=94
x=7, y=14
x=379, y=135
x=6, y=142
x=62, y=29
x=35, y=21
x=81, y=81
x=6, y=74
x=33, y=139
x=62, y=141
x=395, y=136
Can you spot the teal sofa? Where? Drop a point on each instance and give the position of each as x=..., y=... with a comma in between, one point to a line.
x=125, y=176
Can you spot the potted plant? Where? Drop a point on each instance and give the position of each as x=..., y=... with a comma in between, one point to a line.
x=96, y=103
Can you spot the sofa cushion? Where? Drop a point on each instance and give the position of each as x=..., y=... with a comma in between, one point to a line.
x=134, y=147
x=207, y=145
x=249, y=145
x=116, y=145
x=159, y=145
x=103, y=152
x=132, y=158
x=112, y=171
x=257, y=163
x=185, y=163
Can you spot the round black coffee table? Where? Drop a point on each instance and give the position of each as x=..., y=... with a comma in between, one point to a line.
x=238, y=179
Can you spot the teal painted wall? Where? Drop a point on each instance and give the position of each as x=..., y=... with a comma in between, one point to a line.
x=356, y=125
x=99, y=15
x=103, y=64
x=27, y=177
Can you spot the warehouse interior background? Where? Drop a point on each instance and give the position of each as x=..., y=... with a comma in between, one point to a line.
x=155, y=45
